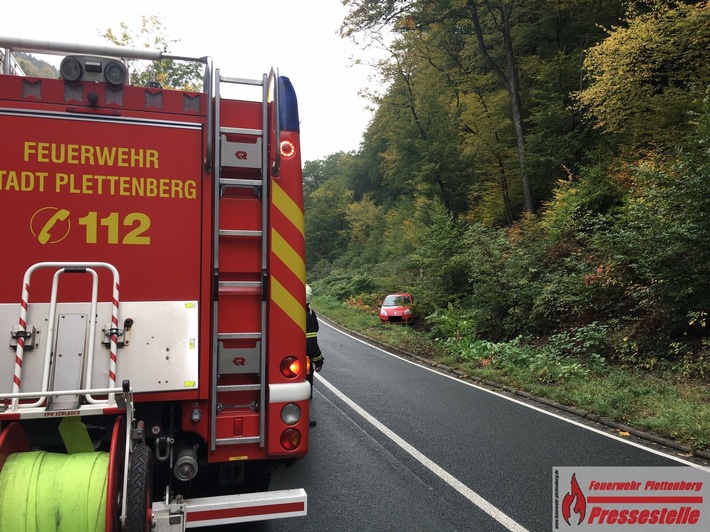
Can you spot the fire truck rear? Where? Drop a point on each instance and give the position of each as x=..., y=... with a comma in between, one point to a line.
x=152, y=297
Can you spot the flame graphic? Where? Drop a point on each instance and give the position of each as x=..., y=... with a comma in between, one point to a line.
x=580, y=503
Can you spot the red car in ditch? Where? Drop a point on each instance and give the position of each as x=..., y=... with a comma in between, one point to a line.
x=397, y=308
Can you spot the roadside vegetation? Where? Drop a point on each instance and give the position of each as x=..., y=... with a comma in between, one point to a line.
x=536, y=175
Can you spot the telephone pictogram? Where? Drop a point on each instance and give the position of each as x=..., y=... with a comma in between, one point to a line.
x=59, y=216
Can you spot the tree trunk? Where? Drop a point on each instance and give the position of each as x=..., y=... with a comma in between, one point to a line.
x=511, y=82
x=517, y=109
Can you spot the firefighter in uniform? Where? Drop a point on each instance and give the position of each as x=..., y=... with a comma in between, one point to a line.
x=312, y=349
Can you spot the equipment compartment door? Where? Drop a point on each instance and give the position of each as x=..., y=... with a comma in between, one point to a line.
x=122, y=191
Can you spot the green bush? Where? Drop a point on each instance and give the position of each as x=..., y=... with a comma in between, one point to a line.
x=343, y=284
x=440, y=262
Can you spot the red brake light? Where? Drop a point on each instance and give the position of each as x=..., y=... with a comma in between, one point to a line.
x=290, y=367
x=290, y=439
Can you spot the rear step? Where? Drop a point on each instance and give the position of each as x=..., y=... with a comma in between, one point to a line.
x=230, y=509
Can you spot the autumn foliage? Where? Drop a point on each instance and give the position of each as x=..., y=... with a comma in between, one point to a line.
x=613, y=263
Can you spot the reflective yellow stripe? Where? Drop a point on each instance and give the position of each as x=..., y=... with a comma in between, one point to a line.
x=288, y=255
x=311, y=335
x=287, y=206
x=288, y=303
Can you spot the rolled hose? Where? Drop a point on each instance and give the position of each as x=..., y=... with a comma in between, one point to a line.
x=44, y=492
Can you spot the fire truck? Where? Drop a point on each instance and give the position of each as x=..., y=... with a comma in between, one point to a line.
x=152, y=297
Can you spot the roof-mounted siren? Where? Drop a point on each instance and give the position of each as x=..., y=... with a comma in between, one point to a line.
x=93, y=68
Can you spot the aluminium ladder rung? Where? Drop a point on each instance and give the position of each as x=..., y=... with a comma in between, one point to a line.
x=240, y=182
x=238, y=439
x=239, y=287
x=240, y=232
x=239, y=336
x=240, y=284
x=238, y=387
x=241, y=81
x=241, y=131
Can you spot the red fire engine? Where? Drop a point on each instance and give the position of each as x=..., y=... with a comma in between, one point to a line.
x=152, y=297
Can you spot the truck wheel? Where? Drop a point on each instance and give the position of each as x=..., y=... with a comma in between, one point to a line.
x=138, y=496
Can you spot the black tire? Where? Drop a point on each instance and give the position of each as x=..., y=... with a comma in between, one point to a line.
x=140, y=484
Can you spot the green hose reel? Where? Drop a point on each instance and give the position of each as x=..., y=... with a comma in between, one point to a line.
x=44, y=492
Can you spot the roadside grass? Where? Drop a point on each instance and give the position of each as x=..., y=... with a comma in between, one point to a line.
x=662, y=403
x=654, y=403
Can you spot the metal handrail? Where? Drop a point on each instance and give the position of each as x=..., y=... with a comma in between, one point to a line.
x=208, y=89
x=64, y=267
x=274, y=76
x=22, y=44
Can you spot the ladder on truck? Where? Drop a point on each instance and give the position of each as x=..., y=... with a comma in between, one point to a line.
x=241, y=212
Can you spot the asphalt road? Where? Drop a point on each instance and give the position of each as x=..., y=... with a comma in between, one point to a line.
x=401, y=447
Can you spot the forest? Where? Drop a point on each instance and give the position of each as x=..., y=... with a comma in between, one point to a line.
x=536, y=174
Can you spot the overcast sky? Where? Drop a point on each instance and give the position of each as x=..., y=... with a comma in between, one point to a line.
x=245, y=38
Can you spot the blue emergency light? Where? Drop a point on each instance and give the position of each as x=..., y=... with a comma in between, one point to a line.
x=288, y=106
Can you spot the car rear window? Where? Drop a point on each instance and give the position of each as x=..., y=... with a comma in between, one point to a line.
x=396, y=301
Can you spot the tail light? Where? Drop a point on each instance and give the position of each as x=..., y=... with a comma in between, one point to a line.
x=290, y=367
x=291, y=439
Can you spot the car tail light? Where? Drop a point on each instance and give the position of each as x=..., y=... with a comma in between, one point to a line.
x=290, y=439
x=290, y=367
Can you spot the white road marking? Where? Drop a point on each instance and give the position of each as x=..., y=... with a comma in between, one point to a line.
x=514, y=400
x=452, y=481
